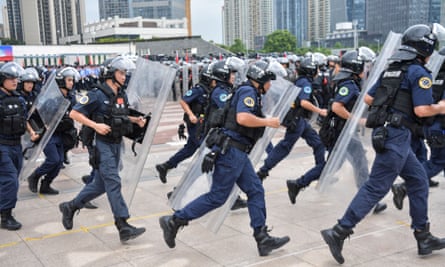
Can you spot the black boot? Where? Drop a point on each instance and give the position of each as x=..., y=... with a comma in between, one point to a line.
x=163, y=169
x=86, y=179
x=262, y=175
x=46, y=189
x=33, y=181
x=170, y=226
x=399, y=193
x=433, y=183
x=66, y=160
x=68, y=209
x=293, y=188
x=379, y=207
x=426, y=242
x=239, y=204
x=89, y=205
x=334, y=237
x=267, y=243
x=127, y=231
x=8, y=221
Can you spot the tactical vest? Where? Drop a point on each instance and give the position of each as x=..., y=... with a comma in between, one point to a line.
x=116, y=116
x=389, y=98
x=12, y=115
x=214, y=115
x=197, y=108
x=231, y=124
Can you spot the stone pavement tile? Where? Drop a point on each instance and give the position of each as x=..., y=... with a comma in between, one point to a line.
x=93, y=255
x=16, y=252
x=181, y=256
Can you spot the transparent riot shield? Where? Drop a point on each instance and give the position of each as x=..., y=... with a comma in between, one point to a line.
x=354, y=142
x=434, y=64
x=147, y=92
x=44, y=116
x=195, y=74
x=177, y=86
x=276, y=103
x=185, y=78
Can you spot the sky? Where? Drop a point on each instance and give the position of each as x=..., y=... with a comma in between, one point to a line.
x=206, y=17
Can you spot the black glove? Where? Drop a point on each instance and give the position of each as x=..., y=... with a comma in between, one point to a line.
x=181, y=131
x=208, y=162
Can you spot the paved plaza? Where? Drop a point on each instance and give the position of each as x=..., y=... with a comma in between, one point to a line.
x=380, y=240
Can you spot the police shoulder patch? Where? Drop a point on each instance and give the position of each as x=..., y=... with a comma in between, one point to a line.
x=248, y=101
x=425, y=83
x=84, y=99
x=343, y=91
x=307, y=89
x=189, y=93
x=223, y=98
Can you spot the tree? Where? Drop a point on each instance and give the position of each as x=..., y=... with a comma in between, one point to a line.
x=280, y=41
x=237, y=47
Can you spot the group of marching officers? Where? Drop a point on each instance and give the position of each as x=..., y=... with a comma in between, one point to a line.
x=405, y=110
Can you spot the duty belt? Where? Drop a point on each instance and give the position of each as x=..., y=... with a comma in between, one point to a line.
x=10, y=142
x=238, y=145
x=397, y=120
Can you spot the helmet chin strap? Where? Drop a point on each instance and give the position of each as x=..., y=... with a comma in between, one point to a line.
x=115, y=81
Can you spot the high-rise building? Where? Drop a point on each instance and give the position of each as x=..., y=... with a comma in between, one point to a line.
x=247, y=20
x=45, y=21
x=112, y=8
x=156, y=9
x=356, y=11
x=435, y=7
x=291, y=15
x=149, y=9
x=384, y=16
x=319, y=19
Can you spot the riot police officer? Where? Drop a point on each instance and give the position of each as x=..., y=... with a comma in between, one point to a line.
x=27, y=85
x=297, y=126
x=194, y=103
x=402, y=98
x=105, y=110
x=243, y=126
x=347, y=91
x=54, y=150
x=12, y=126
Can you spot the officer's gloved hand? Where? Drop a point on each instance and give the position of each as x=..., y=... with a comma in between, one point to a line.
x=209, y=161
x=181, y=132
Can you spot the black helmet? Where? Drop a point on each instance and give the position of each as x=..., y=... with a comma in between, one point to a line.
x=10, y=70
x=421, y=38
x=64, y=73
x=205, y=76
x=221, y=69
x=417, y=40
x=117, y=63
x=262, y=72
x=307, y=67
x=352, y=62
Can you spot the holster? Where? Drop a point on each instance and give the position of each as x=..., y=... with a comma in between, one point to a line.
x=94, y=158
x=378, y=139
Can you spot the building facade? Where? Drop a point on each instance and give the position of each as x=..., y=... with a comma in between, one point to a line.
x=45, y=22
x=247, y=20
x=291, y=15
x=384, y=16
x=112, y=8
x=319, y=19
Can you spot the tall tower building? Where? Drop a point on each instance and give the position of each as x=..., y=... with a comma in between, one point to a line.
x=44, y=22
x=435, y=8
x=247, y=20
x=112, y=8
x=395, y=15
x=291, y=15
x=319, y=19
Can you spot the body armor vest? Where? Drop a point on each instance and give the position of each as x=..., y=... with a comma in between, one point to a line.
x=252, y=133
x=12, y=115
x=389, y=96
x=116, y=116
